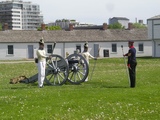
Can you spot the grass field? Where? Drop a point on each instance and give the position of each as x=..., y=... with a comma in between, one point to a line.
x=106, y=97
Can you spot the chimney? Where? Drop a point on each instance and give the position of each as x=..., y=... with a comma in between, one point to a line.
x=43, y=27
x=130, y=26
x=105, y=26
x=70, y=27
x=5, y=27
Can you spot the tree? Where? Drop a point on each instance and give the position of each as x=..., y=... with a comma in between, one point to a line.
x=138, y=25
x=116, y=26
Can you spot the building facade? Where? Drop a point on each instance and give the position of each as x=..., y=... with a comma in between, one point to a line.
x=102, y=43
x=20, y=15
x=154, y=34
x=124, y=21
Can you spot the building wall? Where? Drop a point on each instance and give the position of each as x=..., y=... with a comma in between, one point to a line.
x=108, y=46
x=156, y=50
x=153, y=29
x=71, y=47
x=156, y=29
x=21, y=49
x=112, y=21
x=147, y=48
x=154, y=35
x=124, y=23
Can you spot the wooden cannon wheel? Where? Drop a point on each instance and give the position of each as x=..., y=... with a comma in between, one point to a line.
x=78, y=68
x=56, y=71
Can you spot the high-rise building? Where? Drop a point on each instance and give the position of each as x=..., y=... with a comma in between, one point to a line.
x=20, y=15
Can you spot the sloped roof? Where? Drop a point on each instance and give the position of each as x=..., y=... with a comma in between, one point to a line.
x=155, y=17
x=73, y=36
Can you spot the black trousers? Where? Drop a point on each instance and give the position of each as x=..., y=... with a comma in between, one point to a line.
x=132, y=74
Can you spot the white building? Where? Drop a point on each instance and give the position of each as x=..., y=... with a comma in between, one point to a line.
x=154, y=34
x=20, y=15
x=23, y=44
x=123, y=20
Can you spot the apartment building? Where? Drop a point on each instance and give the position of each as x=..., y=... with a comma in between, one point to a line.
x=20, y=15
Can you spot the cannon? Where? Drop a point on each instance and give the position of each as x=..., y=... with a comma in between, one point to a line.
x=59, y=70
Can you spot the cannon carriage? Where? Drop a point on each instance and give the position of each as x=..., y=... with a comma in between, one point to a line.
x=59, y=70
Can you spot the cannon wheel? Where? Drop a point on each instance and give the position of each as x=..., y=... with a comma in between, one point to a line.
x=78, y=71
x=56, y=71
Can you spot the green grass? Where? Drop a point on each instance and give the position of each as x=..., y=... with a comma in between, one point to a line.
x=106, y=97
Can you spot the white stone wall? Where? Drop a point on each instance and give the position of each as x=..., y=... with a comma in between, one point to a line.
x=21, y=49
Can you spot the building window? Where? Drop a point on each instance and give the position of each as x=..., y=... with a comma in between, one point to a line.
x=114, y=47
x=140, y=47
x=10, y=50
x=78, y=47
x=49, y=49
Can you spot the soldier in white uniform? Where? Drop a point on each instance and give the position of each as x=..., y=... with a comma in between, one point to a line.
x=87, y=55
x=41, y=54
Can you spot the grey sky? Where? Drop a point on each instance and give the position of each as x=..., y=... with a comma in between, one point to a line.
x=97, y=11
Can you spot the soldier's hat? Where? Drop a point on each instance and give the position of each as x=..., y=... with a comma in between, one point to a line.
x=131, y=41
x=41, y=41
x=86, y=44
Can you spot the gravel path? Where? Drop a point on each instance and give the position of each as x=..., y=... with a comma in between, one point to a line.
x=15, y=62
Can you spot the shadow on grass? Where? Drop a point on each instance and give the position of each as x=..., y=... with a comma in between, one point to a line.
x=100, y=85
x=15, y=88
x=23, y=86
x=148, y=58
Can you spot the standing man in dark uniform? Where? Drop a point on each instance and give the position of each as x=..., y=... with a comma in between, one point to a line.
x=132, y=63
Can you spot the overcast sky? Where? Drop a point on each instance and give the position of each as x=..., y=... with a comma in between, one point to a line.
x=97, y=11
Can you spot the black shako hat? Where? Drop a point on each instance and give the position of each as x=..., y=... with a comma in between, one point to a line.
x=131, y=41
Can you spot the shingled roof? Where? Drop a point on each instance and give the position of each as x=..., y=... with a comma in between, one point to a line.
x=73, y=36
